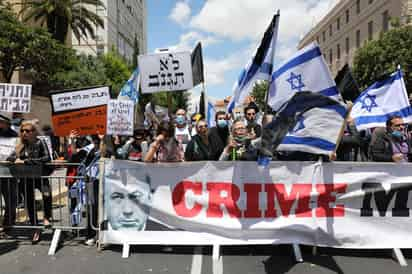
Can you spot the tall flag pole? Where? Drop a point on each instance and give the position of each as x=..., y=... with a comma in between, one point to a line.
x=260, y=68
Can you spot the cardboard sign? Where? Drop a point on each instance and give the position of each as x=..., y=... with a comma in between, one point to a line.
x=15, y=98
x=7, y=146
x=170, y=71
x=120, y=117
x=85, y=121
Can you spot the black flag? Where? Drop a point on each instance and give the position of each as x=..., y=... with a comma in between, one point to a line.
x=346, y=84
x=197, y=65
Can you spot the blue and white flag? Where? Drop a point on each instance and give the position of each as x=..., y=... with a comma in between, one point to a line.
x=305, y=71
x=308, y=122
x=260, y=68
x=130, y=90
x=211, y=112
x=380, y=101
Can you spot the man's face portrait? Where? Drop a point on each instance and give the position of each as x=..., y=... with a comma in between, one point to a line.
x=128, y=204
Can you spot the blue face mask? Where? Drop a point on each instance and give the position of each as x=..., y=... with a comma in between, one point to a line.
x=397, y=134
x=180, y=119
x=221, y=123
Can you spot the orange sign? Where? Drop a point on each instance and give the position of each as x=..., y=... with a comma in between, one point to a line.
x=86, y=121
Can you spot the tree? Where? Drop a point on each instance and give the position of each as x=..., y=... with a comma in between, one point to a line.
x=116, y=69
x=380, y=57
x=62, y=15
x=28, y=49
x=259, y=93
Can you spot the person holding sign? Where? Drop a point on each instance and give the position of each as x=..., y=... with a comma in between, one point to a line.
x=135, y=148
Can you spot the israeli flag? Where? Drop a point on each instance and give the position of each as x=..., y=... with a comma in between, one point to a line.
x=130, y=90
x=305, y=71
x=211, y=112
x=380, y=101
x=260, y=68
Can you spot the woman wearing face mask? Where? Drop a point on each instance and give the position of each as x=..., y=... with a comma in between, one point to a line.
x=165, y=147
x=183, y=130
x=392, y=145
x=239, y=147
x=219, y=135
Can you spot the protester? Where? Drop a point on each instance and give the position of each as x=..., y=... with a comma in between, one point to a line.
x=8, y=185
x=254, y=129
x=183, y=129
x=135, y=148
x=393, y=144
x=218, y=135
x=199, y=148
x=348, y=149
x=165, y=147
x=55, y=142
x=239, y=147
x=33, y=152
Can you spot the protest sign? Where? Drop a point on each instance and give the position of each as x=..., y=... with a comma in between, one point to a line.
x=120, y=115
x=48, y=142
x=15, y=98
x=83, y=110
x=7, y=146
x=166, y=72
x=329, y=204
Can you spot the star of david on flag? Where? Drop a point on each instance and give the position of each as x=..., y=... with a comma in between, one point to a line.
x=380, y=101
x=295, y=81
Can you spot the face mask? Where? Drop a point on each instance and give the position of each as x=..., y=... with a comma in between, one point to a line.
x=240, y=139
x=221, y=123
x=180, y=119
x=397, y=134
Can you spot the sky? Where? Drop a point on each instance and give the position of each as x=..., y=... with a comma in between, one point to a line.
x=230, y=32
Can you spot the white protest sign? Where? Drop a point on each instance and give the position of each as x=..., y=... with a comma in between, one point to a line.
x=120, y=117
x=166, y=72
x=48, y=142
x=73, y=100
x=15, y=98
x=7, y=146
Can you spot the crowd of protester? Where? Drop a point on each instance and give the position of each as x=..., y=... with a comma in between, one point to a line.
x=181, y=138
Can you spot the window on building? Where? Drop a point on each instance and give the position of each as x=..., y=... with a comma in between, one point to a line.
x=370, y=30
x=330, y=56
x=347, y=45
x=317, y=39
x=370, y=1
x=338, y=52
x=323, y=36
x=357, y=38
x=357, y=6
x=385, y=21
x=347, y=16
x=330, y=30
x=338, y=23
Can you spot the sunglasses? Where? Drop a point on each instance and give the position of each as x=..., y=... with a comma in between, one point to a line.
x=202, y=126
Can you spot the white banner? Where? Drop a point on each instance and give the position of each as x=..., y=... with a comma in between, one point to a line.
x=166, y=72
x=120, y=116
x=7, y=146
x=78, y=99
x=332, y=204
x=15, y=98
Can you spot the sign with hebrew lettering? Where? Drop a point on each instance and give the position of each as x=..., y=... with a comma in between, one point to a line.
x=367, y=205
x=83, y=110
x=170, y=71
x=120, y=114
x=15, y=98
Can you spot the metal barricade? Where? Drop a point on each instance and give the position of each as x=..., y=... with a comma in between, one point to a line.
x=27, y=198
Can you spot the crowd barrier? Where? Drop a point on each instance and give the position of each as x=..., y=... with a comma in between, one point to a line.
x=30, y=193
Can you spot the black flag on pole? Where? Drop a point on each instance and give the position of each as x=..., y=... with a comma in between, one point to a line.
x=346, y=84
x=197, y=65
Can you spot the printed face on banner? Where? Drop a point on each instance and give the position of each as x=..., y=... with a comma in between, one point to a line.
x=128, y=203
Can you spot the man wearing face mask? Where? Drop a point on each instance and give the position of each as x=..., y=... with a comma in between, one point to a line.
x=392, y=145
x=218, y=135
x=182, y=130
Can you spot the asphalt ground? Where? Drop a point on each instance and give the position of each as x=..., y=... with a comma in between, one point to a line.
x=18, y=255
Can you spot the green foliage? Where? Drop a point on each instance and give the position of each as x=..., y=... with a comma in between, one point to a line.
x=62, y=15
x=381, y=57
x=29, y=49
x=259, y=93
x=117, y=71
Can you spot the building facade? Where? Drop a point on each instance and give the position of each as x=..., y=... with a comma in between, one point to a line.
x=123, y=21
x=350, y=24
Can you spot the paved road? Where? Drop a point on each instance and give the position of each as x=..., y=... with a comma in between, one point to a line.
x=19, y=256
